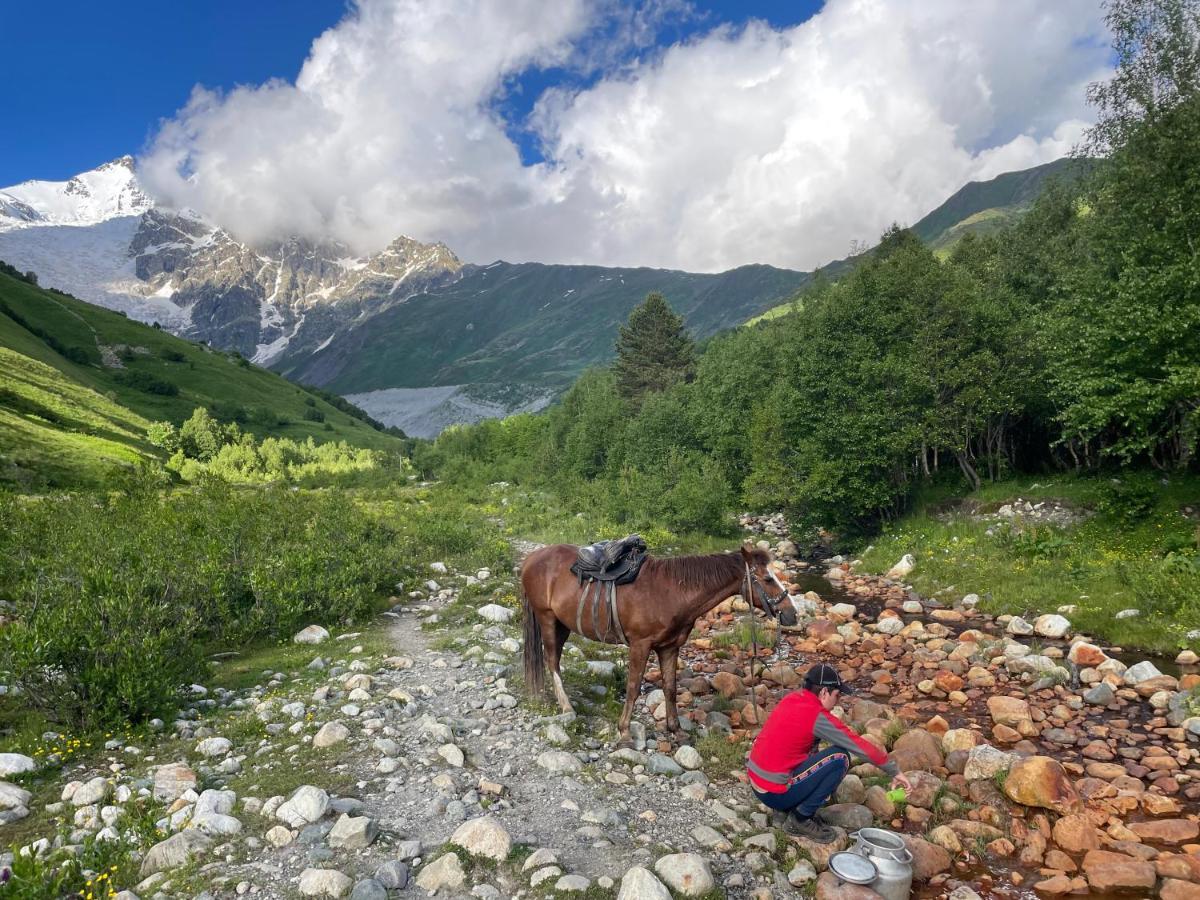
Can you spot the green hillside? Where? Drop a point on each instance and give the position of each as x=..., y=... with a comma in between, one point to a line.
x=528, y=323
x=79, y=385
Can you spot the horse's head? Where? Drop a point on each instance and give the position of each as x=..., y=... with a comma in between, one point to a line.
x=765, y=590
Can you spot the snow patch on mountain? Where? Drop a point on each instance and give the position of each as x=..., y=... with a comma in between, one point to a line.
x=108, y=192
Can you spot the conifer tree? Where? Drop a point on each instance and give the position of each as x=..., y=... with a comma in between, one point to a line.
x=653, y=349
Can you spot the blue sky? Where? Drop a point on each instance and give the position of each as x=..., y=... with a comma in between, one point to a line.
x=692, y=135
x=93, y=79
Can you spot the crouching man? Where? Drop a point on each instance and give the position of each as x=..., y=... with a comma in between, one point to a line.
x=787, y=770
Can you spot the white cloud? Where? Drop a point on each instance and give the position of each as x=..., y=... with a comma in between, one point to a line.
x=745, y=145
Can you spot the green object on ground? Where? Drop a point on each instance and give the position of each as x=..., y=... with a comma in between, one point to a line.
x=897, y=796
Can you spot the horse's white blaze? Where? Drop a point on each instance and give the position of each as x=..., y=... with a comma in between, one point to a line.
x=561, y=693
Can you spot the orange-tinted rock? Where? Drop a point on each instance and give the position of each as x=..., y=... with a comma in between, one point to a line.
x=1057, y=884
x=1009, y=711
x=1173, y=889
x=728, y=685
x=1056, y=859
x=1182, y=866
x=917, y=749
x=1041, y=781
x=928, y=858
x=1107, y=871
x=1086, y=655
x=830, y=888
x=1076, y=834
x=1166, y=831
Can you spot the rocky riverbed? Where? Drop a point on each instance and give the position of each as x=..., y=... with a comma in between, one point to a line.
x=1042, y=764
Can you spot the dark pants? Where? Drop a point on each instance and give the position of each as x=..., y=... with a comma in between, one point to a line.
x=813, y=783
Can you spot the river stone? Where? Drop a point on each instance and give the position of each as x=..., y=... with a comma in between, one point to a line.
x=452, y=754
x=485, y=837
x=175, y=851
x=369, y=889
x=689, y=757
x=1052, y=626
x=984, y=761
x=1100, y=695
x=494, y=612
x=1143, y=671
x=1019, y=626
x=313, y=634
x=890, y=625
x=331, y=733
x=12, y=796
x=393, y=875
x=661, y=764
x=445, y=872
x=172, y=781
x=306, y=805
x=214, y=746
x=324, y=882
x=279, y=836
x=559, y=762
x=1041, y=781
x=639, y=883
x=353, y=832
x=569, y=884
x=687, y=874
x=1107, y=871
x=94, y=791
x=15, y=764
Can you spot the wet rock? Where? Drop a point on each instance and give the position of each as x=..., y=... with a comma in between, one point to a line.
x=1011, y=711
x=1100, y=695
x=1107, y=871
x=1141, y=672
x=1041, y=781
x=830, y=888
x=929, y=859
x=1076, y=834
x=1174, y=889
x=1167, y=831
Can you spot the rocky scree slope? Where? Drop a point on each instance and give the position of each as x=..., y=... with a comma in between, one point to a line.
x=1039, y=761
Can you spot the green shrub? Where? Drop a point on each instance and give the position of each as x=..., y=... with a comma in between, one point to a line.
x=1129, y=499
x=144, y=381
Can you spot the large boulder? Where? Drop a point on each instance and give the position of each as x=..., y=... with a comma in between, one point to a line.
x=1143, y=671
x=917, y=749
x=1010, y=711
x=685, y=873
x=639, y=883
x=1076, y=834
x=928, y=858
x=15, y=764
x=175, y=851
x=1041, y=781
x=1107, y=871
x=444, y=873
x=313, y=634
x=483, y=836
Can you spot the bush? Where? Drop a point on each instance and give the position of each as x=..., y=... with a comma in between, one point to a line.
x=144, y=381
x=313, y=415
x=1129, y=499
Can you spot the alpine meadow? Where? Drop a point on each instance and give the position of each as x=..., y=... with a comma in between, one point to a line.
x=273, y=456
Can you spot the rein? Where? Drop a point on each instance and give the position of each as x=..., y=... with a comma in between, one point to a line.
x=772, y=610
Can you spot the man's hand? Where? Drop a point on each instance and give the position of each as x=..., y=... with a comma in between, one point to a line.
x=901, y=780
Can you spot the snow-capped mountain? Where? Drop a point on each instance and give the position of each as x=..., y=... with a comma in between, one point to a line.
x=100, y=237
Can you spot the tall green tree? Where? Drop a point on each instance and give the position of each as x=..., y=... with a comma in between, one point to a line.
x=654, y=351
x=1126, y=336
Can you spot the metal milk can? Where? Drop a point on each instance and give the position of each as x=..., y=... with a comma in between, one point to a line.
x=892, y=861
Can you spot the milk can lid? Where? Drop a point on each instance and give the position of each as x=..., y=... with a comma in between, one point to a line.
x=853, y=868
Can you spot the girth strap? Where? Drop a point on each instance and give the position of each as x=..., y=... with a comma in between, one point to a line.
x=607, y=591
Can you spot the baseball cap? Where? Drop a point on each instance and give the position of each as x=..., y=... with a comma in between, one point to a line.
x=823, y=675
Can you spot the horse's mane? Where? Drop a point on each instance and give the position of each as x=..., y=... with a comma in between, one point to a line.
x=708, y=571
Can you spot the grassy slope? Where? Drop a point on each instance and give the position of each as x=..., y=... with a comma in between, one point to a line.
x=67, y=423
x=1101, y=566
x=528, y=323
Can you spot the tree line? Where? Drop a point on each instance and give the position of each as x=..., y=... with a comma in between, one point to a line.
x=1068, y=341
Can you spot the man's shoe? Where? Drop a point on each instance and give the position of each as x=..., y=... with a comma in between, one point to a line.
x=821, y=816
x=810, y=829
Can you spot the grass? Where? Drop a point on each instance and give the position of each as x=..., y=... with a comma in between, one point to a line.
x=246, y=669
x=1104, y=564
x=69, y=422
x=721, y=755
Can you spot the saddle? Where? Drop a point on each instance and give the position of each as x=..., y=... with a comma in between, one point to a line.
x=617, y=561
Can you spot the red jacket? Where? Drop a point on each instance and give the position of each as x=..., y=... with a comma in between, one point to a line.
x=792, y=732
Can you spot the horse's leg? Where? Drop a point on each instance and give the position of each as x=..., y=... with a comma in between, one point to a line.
x=561, y=634
x=638, y=654
x=667, y=654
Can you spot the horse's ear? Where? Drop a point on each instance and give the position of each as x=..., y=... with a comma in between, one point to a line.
x=748, y=551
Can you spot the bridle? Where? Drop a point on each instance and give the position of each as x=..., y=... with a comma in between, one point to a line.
x=752, y=584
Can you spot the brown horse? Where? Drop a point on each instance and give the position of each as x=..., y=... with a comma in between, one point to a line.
x=655, y=612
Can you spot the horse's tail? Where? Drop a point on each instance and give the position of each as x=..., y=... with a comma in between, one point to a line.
x=535, y=668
